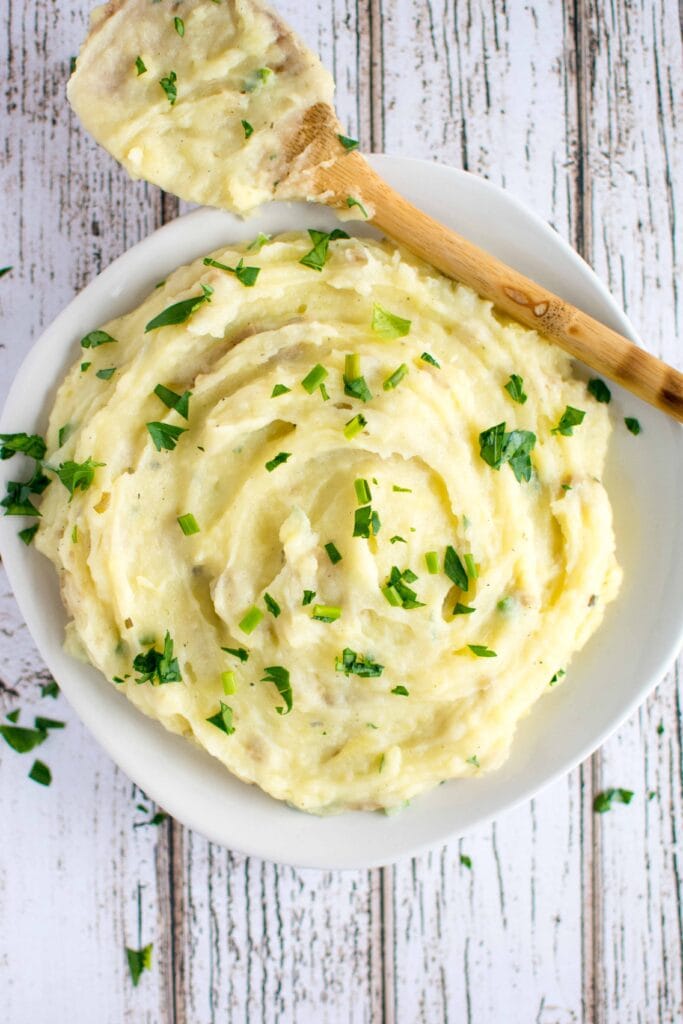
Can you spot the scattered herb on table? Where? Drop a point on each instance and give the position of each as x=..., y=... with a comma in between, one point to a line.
x=603, y=801
x=40, y=773
x=139, y=960
x=633, y=425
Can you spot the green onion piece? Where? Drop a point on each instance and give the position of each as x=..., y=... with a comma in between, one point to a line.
x=279, y=389
x=326, y=612
x=363, y=493
x=392, y=596
x=324, y=393
x=366, y=522
x=279, y=459
x=355, y=426
x=432, y=560
x=251, y=620
x=272, y=605
x=402, y=490
x=179, y=26
x=395, y=378
x=333, y=553
x=352, y=366
x=228, y=682
x=188, y=524
x=388, y=325
x=314, y=378
x=401, y=691
x=355, y=664
x=426, y=357
x=482, y=651
x=348, y=143
x=633, y=425
x=471, y=567
x=74, y=534
x=308, y=597
x=463, y=609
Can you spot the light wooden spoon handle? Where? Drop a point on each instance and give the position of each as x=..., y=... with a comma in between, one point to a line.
x=522, y=299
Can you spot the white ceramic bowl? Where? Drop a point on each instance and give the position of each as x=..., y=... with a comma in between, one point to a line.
x=637, y=641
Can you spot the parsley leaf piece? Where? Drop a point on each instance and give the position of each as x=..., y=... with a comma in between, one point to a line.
x=77, y=476
x=258, y=242
x=179, y=26
x=139, y=960
x=64, y=434
x=272, y=605
x=599, y=390
x=394, y=379
x=257, y=78
x=13, y=716
x=466, y=861
x=333, y=553
x=5, y=270
x=248, y=129
x=633, y=425
x=40, y=773
x=245, y=275
x=317, y=257
x=401, y=691
x=155, y=665
x=181, y=403
x=97, y=338
x=388, y=325
x=396, y=539
x=179, y=312
x=156, y=819
x=28, y=534
x=280, y=389
x=427, y=357
x=169, y=85
x=352, y=663
x=463, y=609
x=351, y=202
x=280, y=677
x=558, y=675
x=402, y=490
x=164, y=435
x=279, y=459
x=17, y=500
x=140, y=66
x=50, y=689
x=473, y=760
x=250, y=620
x=571, y=418
x=238, y=652
x=454, y=569
x=308, y=597
x=515, y=389
x=106, y=374
x=348, y=143
x=45, y=724
x=31, y=445
x=482, y=651
x=496, y=448
x=355, y=426
x=603, y=801
x=21, y=739
x=223, y=719
x=85, y=366
x=188, y=524
x=366, y=522
x=326, y=612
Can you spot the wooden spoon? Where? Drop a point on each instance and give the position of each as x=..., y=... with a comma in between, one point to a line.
x=297, y=151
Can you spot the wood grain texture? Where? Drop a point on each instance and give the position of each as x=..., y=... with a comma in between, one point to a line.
x=564, y=916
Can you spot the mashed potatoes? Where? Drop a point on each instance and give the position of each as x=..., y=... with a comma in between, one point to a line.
x=364, y=593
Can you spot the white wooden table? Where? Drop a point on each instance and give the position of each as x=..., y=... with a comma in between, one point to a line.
x=565, y=916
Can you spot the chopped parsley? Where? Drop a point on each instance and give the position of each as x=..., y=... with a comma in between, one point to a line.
x=245, y=275
x=21, y=739
x=28, y=534
x=237, y=652
x=280, y=677
x=366, y=522
x=181, y=403
x=355, y=664
x=258, y=242
x=140, y=66
x=272, y=605
x=188, y=524
x=314, y=378
x=515, y=389
x=31, y=445
x=17, y=499
x=169, y=85
x=396, y=539
x=317, y=257
x=223, y=719
x=466, y=861
x=333, y=553
x=85, y=366
x=77, y=476
x=40, y=773
x=308, y=597
x=158, y=667
x=497, y=447
x=64, y=434
x=363, y=492
x=398, y=593
x=599, y=390
x=180, y=312
x=355, y=426
x=570, y=418
x=426, y=357
x=482, y=651
x=401, y=691
x=139, y=960
x=473, y=760
x=97, y=338
x=454, y=569
x=395, y=378
x=558, y=675
x=603, y=801
x=355, y=384
x=326, y=612
x=633, y=425
x=164, y=435
x=250, y=620
x=463, y=609
x=248, y=129
x=348, y=143
x=106, y=374
x=49, y=689
x=279, y=459
x=280, y=389
x=388, y=325
x=45, y=724
x=179, y=26
x=351, y=202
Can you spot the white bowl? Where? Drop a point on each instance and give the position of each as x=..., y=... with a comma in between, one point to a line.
x=638, y=639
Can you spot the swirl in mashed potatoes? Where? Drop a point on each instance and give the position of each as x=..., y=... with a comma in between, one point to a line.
x=365, y=592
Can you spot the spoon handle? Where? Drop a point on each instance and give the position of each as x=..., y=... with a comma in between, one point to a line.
x=601, y=348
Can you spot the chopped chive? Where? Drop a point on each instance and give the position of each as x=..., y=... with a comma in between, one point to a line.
x=463, y=609
x=401, y=490
x=352, y=663
x=228, y=682
x=432, y=560
x=324, y=393
x=326, y=612
x=333, y=553
x=279, y=459
x=366, y=522
x=471, y=567
x=355, y=426
x=454, y=569
x=426, y=357
x=395, y=378
x=352, y=366
x=401, y=691
x=279, y=389
x=272, y=605
x=308, y=597
x=633, y=425
x=314, y=378
x=74, y=534
x=363, y=492
x=482, y=651
x=392, y=596
x=188, y=524
x=179, y=26
x=251, y=620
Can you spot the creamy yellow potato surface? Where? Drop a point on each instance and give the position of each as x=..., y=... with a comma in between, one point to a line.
x=198, y=97
x=409, y=651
